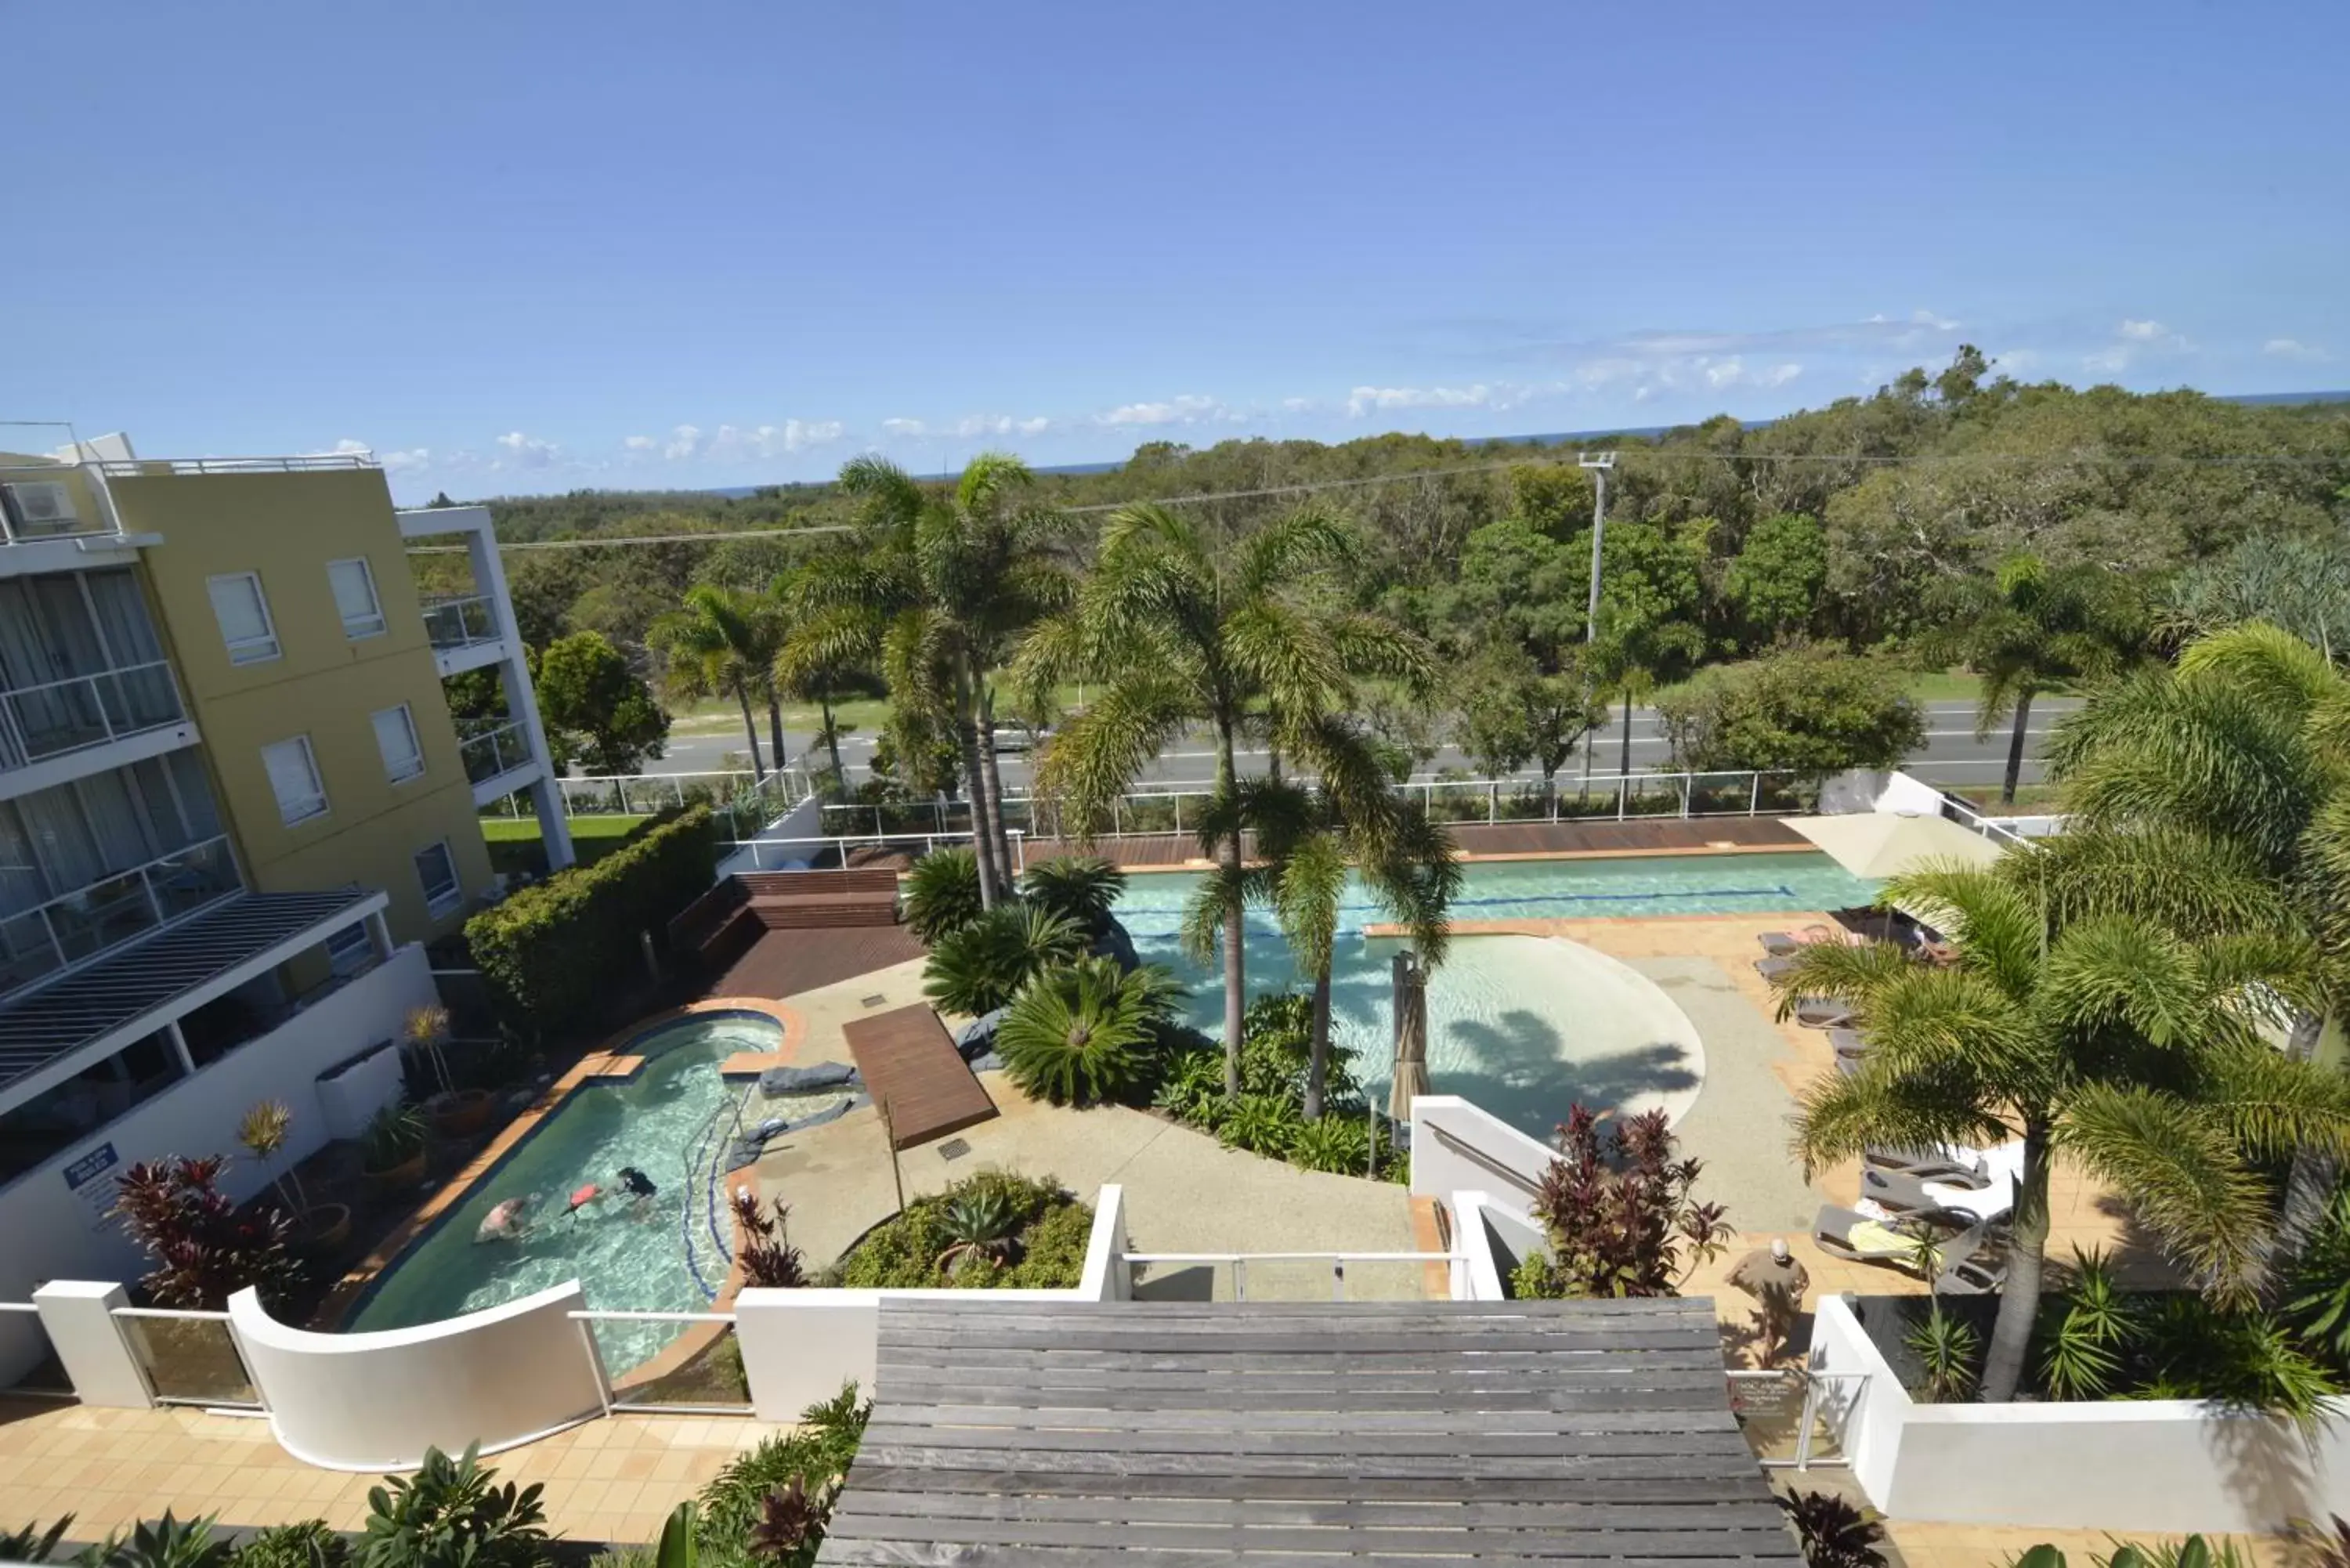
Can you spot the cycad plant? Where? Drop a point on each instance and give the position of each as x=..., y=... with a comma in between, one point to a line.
x=942, y=893
x=982, y=966
x=2136, y=1048
x=1080, y=888
x=1182, y=629
x=1084, y=1032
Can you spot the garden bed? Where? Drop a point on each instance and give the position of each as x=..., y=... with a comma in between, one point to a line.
x=992, y=1230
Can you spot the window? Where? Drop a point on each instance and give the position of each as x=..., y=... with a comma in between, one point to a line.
x=395, y=737
x=43, y=506
x=243, y=617
x=354, y=587
x=437, y=870
x=294, y=778
x=350, y=951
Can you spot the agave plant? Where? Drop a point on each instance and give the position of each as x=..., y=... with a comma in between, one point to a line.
x=982, y=966
x=983, y=1227
x=942, y=893
x=168, y=1542
x=1081, y=1035
x=1081, y=888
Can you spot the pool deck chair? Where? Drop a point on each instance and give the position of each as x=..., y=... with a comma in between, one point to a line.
x=1822, y=1013
x=916, y=1075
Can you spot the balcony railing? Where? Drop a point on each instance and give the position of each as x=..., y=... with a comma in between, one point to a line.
x=495, y=751
x=74, y=928
x=462, y=623
x=310, y=463
x=37, y=722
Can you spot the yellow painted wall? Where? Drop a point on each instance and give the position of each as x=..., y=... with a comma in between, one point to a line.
x=287, y=527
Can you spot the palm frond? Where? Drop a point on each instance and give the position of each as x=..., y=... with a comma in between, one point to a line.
x=2182, y=1172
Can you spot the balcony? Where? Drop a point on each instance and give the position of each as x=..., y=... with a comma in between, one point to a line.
x=57, y=717
x=75, y=928
x=465, y=632
x=494, y=756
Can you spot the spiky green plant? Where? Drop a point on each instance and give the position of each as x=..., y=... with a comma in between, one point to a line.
x=32, y=1544
x=312, y=1544
x=2316, y=1293
x=1261, y=1124
x=1081, y=888
x=1948, y=1349
x=451, y=1514
x=942, y=893
x=1083, y=1033
x=982, y=1228
x=983, y=965
x=1339, y=1145
x=2092, y=1327
x=166, y=1542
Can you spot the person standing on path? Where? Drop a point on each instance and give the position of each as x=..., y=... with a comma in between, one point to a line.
x=1777, y=1283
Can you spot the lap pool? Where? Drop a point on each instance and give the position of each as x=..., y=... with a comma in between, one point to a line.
x=669, y=1121
x=1523, y=1025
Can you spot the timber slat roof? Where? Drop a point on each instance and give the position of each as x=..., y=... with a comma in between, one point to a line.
x=1177, y=1434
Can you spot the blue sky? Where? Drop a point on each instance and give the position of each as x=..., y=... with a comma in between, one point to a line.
x=530, y=246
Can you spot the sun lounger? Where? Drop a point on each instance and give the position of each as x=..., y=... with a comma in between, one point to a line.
x=1822, y=1013
x=1985, y=1189
x=1780, y=944
x=1773, y=968
x=1930, y=1164
x=1848, y=1233
x=1847, y=1042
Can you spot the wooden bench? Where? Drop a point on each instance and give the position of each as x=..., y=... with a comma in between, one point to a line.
x=789, y=900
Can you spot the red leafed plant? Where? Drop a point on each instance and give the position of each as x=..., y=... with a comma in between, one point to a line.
x=1619, y=1213
x=763, y=1243
x=204, y=1250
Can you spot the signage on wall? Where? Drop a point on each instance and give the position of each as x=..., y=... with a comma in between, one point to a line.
x=93, y=1180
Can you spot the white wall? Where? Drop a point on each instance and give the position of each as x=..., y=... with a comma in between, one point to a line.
x=53, y=1231
x=1489, y=1235
x=1458, y=1147
x=804, y=820
x=799, y=1346
x=2131, y=1467
x=377, y=1401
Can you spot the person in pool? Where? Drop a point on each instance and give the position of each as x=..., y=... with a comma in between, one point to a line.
x=639, y=1189
x=508, y=1221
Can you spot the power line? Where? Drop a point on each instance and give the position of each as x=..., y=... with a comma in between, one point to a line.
x=1311, y=487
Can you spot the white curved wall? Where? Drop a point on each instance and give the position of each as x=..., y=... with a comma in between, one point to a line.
x=376, y=1401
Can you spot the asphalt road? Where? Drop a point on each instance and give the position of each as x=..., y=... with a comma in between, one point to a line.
x=1952, y=755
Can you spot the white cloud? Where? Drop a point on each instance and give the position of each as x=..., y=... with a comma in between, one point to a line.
x=2141, y=331
x=683, y=443
x=1187, y=409
x=1366, y=400
x=406, y=462
x=2015, y=361
x=2294, y=348
x=641, y=443
x=972, y=425
x=1297, y=405
x=528, y=450
x=904, y=428
x=1939, y=323
x=347, y=447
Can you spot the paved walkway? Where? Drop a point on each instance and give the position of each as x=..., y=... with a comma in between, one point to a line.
x=610, y=1480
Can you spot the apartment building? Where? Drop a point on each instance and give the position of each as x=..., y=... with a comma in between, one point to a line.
x=234, y=806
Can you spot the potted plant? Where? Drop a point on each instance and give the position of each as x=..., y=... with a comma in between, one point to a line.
x=392, y=1147
x=263, y=1133
x=455, y=1112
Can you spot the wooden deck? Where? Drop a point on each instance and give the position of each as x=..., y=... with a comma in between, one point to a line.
x=915, y=1075
x=1662, y=835
x=784, y=963
x=1177, y=1434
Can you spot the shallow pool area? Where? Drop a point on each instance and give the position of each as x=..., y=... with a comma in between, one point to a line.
x=1523, y=1025
x=669, y=1254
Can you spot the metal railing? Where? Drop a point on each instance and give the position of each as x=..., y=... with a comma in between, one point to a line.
x=1335, y=1262
x=1975, y=822
x=493, y=753
x=1795, y=1419
x=309, y=463
x=709, y=1382
x=190, y=1357
x=45, y=1379
x=465, y=622
x=782, y=853
x=37, y=722
x=75, y=928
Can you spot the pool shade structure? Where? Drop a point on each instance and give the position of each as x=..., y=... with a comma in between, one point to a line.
x=910, y=1066
x=1174, y=1434
x=1409, y=984
x=1881, y=844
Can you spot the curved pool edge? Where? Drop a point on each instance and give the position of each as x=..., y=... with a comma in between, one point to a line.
x=607, y=1062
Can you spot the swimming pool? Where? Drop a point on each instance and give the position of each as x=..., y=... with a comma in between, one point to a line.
x=667, y=1121
x=1523, y=1026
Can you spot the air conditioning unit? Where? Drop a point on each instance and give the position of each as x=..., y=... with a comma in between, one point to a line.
x=43, y=506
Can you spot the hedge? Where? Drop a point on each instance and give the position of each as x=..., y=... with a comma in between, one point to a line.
x=554, y=951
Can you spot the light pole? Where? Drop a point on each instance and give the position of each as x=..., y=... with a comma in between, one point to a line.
x=1599, y=464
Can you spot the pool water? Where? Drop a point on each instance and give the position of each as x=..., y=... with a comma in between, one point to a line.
x=1523, y=1025
x=670, y=1121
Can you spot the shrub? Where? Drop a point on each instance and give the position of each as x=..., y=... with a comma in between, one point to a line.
x=168, y=1542
x=204, y=1250
x=392, y=1136
x=982, y=966
x=2093, y=1325
x=1834, y=1532
x=309, y=1545
x=733, y=1505
x=920, y=1249
x=1261, y=1124
x=1339, y=1145
x=551, y=951
x=1621, y=1220
x=1950, y=1349
x=769, y=1260
x=32, y=1544
x=1081, y=888
x=942, y=893
x=2316, y=1292
x=1086, y=1032
x=450, y=1514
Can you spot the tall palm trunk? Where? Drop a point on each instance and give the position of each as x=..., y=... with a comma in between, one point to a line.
x=831, y=732
x=750, y=730
x=775, y=727
x=994, y=775
x=1235, y=913
x=991, y=884
x=2019, y=1297
x=1625, y=765
x=1317, y=1059
x=2015, y=746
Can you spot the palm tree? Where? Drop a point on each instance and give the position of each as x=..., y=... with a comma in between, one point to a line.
x=1182, y=630
x=934, y=586
x=809, y=669
x=2032, y=624
x=2083, y=1024
x=724, y=640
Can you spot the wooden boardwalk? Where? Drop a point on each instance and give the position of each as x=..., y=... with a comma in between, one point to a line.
x=915, y=1074
x=784, y=963
x=1652, y=836
x=1298, y=1436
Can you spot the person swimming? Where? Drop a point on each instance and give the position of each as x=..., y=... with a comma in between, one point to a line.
x=508, y=1221
x=639, y=1189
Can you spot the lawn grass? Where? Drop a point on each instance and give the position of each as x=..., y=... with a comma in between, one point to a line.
x=514, y=847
